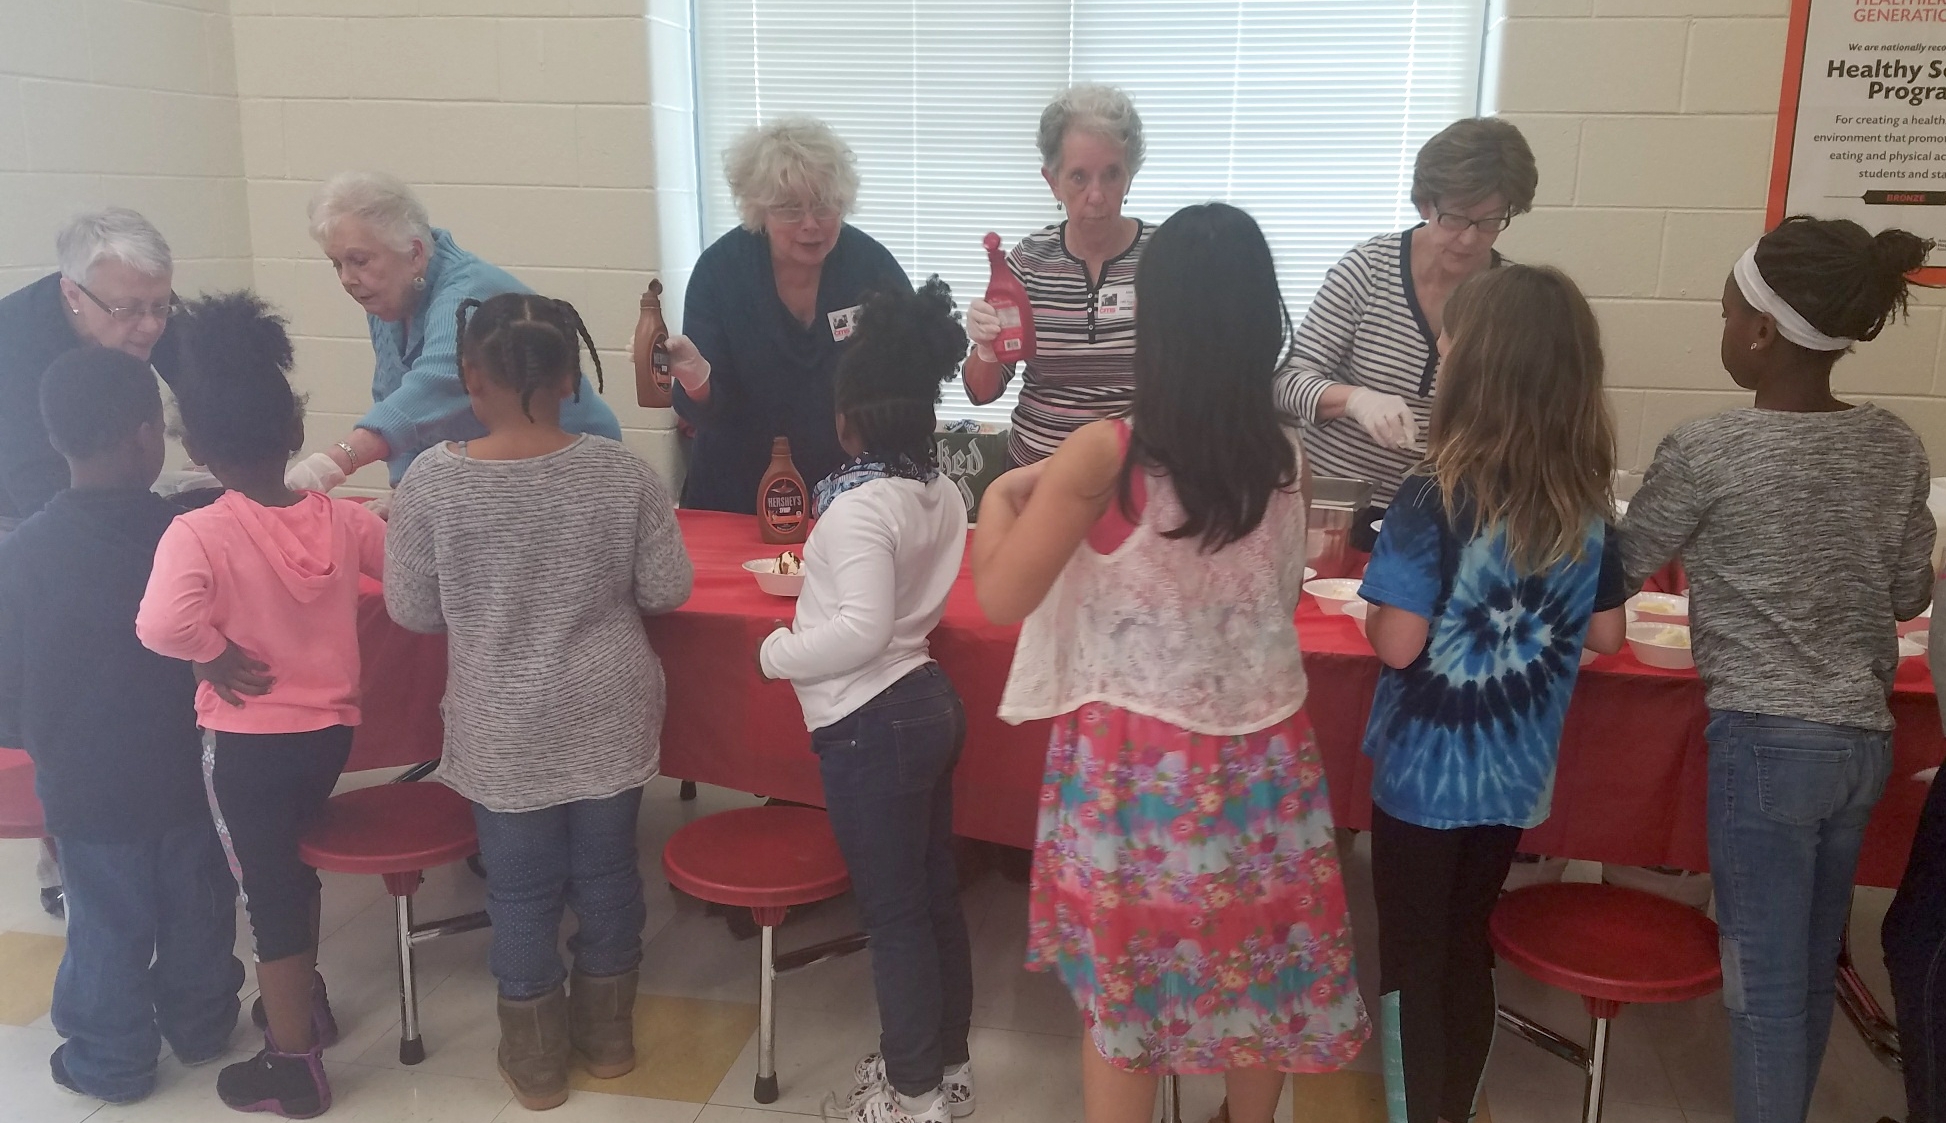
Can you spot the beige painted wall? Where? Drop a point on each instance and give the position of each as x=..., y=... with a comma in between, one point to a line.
x=121, y=101
x=526, y=124
x=1652, y=121
x=523, y=123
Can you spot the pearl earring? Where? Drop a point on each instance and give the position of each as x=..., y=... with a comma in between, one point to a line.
x=419, y=283
x=1753, y=347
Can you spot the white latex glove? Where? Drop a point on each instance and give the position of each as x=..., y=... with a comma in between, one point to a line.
x=983, y=327
x=1386, y=418
x=686, y=363
x=316, y=472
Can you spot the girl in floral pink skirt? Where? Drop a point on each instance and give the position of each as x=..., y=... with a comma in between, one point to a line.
x=1186, y=887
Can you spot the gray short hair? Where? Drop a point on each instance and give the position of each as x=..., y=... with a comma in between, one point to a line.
x=1473, y=159
x=791, y=159
x=1103, y=110
x=111, y=234
x=381, y=201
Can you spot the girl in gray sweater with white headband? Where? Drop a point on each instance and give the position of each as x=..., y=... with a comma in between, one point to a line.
x=1803, y=528
x=538, y=551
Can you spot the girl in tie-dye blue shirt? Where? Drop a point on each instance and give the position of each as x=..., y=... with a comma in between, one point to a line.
x=1467, y=734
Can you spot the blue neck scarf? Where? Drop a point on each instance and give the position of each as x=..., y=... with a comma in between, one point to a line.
x=861, y=470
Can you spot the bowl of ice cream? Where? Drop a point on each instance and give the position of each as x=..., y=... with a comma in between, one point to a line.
x=1912, y=645
x=1661, y=645
x=781, y=576
x=1333, y=593
x=1660, y=608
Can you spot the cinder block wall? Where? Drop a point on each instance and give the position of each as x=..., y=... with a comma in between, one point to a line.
x=1653, y=122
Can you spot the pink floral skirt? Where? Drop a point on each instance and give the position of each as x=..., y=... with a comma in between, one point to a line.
x=1187, y=890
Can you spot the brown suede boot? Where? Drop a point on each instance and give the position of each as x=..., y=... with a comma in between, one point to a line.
x=601, y=1020
x=534, y=1049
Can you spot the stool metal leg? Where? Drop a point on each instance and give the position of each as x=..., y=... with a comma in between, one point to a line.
x=411, y=1049
x=1597, y=1072
x=1171, y=1099
x=766, y=1090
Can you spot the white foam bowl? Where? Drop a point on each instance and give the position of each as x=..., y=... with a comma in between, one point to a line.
x=772, y=582
x=1333, y=593
x=1650, y=643
x=1310, y=575
x=1660, y=608
x=1912, y=645
x=1589, y=655
x=1359, y=610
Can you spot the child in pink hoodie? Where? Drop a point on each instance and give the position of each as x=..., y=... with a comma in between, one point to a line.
x=260, y=591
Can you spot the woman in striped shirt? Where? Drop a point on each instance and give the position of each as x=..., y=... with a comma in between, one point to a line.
x=1080, y=278
x=1360, y=370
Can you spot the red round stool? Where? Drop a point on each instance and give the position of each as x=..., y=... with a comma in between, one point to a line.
x=397, y=830
x=765, y=859
x=20, y=808
x=1610, y=945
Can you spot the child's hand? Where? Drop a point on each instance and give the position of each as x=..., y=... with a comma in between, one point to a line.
x=235, y=673
x=775, y=627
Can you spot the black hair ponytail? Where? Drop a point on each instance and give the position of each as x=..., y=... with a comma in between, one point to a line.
x=1848, y=283
x=905, y=345
x=525, y=342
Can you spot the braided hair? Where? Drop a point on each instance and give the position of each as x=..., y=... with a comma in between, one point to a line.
x=234, y=395
x=1847, y=282
x=525, y=342
x=904, y=346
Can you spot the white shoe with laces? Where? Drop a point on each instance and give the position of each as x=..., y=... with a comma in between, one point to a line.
x=957, y=1083
x=881, y=1104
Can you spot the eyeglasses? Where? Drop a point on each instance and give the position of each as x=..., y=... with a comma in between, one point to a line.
x=134, y=312
x=795, y=213
x=1460, y=224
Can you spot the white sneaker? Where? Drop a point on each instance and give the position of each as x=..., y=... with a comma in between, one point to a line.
x=958, y=1083
x=881, y=1104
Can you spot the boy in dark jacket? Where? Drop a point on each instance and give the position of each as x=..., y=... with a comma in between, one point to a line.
x=112, y=730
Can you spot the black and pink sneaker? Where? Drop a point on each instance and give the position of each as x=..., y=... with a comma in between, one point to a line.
x=292, y=1085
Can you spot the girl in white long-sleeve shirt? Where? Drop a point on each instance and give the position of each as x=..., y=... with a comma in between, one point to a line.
x=886, y=723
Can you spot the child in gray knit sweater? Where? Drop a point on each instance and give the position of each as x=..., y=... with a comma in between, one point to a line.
x=538, y=551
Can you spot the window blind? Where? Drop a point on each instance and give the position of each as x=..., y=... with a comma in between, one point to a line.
x=1306, y=113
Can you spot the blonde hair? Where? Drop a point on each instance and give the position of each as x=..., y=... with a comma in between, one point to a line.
x=790, y=160
x=381, y=201
x=1521, y=440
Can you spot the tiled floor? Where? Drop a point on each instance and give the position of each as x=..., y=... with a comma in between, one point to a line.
x=697, y=1014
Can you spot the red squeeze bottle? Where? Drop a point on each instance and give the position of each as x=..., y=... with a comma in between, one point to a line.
x=1009, y=298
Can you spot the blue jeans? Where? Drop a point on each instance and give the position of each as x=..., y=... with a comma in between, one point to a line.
x=538, y=863
x=151, y=928
x=1788, y=803
x=888, y=784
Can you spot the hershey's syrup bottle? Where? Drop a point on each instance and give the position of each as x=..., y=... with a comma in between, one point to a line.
x=651, y=352
x=783, y=502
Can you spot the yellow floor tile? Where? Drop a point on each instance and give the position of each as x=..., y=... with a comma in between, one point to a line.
x=683, y=1048
x=1341, y=1097
x=27, y=965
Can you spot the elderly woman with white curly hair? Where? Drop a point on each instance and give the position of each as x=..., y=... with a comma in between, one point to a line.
x=410, y=278
x=767, y=312
x=1080, y=278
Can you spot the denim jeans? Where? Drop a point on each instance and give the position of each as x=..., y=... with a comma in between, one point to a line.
x=151, y=928
x=888, y=784
x=1788, y=803
x=1914, y=936
x=538, y=863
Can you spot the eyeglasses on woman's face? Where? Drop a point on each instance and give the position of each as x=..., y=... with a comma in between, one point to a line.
x=794, y=214
x=131, y=313
x=1456, y=223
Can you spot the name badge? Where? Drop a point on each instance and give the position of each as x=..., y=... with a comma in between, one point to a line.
x=1115, y=302
x=842, y=321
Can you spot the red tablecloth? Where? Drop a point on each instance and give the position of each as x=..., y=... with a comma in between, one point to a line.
x=1631, y=785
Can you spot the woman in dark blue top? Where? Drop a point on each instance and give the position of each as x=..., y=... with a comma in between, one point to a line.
x=767, y=311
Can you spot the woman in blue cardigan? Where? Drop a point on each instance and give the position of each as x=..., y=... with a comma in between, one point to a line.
x=410, y=278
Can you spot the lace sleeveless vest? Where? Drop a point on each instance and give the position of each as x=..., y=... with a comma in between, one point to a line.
x=1205, y=642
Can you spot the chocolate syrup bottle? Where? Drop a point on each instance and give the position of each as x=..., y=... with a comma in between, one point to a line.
x=651, y=352
x=783, y=502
